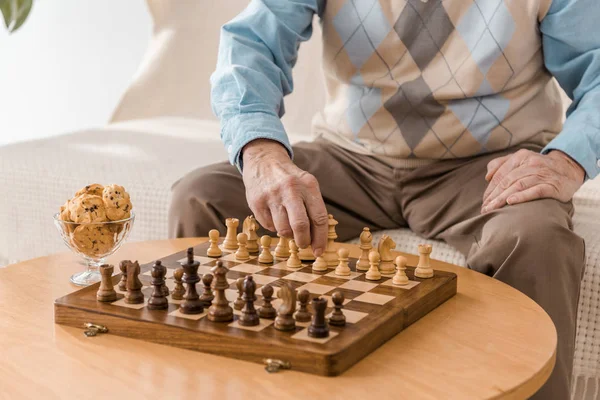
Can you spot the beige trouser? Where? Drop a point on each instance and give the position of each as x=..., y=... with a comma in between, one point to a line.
x=529, y=246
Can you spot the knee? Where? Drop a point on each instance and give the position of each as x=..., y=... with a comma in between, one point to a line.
x=532, y=237
x=195, y=200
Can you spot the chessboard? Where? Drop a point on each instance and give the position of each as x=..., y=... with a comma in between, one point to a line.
x=375, y=311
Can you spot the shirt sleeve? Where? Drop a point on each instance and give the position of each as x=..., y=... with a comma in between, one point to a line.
x=571, y=43
x=257, y=52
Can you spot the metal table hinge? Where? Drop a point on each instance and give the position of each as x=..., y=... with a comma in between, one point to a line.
x=272, y=365
x=94, y=329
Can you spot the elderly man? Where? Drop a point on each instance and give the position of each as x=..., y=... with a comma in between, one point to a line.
x=441, y=115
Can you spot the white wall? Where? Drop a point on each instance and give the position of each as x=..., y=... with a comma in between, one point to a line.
x=67, y=66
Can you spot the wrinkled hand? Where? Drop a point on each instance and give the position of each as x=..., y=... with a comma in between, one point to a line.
x=526, y=175
x=283, y=197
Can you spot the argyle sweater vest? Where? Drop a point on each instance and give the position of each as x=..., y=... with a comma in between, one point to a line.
x=412, y=81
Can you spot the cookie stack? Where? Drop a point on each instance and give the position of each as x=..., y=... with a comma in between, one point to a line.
x=95, y=212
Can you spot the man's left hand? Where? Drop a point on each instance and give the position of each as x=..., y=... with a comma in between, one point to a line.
x=526, y=175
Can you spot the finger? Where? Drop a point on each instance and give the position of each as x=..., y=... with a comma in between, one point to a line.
x=281, y=220
x=264, y=218
x=509, y=180
x=317, y=213
x=518, y=186
x=541, y=191
x=493, y=166
x=511, y=163
x=298, y=220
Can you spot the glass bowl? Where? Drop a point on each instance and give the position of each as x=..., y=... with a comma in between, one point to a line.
x=94, y=242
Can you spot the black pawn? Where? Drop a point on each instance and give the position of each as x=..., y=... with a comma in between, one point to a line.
x=249, y=316
x=303, y=315
x=158, y=300
x=238, y=304
x=318, y=327
x=267, y=310
x=179, y=290
x=337, y=317
x=191, y=300
x=123, y=282
x=207, y=296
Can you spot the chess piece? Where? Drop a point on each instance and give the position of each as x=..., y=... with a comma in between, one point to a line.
x=230, y=242
x=207, y=295
x=191, y=301
x=342, y=268
x=220, y=311
x=285, y=320
x=250, y=227
x=400, y=278
x=303, y=315
x=164, y=287
x=106, y=292
x=282, y=251
x=330, y=255
x=318, y=327
x=238, y=304
x=386, y=265
x=366, y=239
x=306, y=254
x=337, y=317
x=265, y=256
x=424, y=269
x=134, y=293
x=373, y=273
x=267, y=310
x=293, y=261
x=242, y=252
x=158, y=300
x=214, y=250
x=179, y=290
x=249, y=316
x=123, y=282
x=319, y=265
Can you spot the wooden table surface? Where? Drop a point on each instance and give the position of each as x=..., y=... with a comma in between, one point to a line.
x=489, y=341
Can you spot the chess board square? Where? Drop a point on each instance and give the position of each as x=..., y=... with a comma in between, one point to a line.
x=303, y=335
x=249, y=268
x=352, y=317
x=204, y=269
x=316, y=288
x=273, y=272
x=231, y=295
x=195, y=317
x=121, y=303
x=170, y=284
x=410, y=285
x=262, y=324
x=169, y=273
x=200, y=259
x=374, y=298
x=348, y=294
x=329, y=280
x=301, y=277
x=264, y=279
x=283, y=265
x=363, y=278
x=231, y=257
x=358, y=285
x=351, y=276
x=171, y=301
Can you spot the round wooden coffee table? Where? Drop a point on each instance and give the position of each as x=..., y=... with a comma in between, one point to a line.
x=489, y=341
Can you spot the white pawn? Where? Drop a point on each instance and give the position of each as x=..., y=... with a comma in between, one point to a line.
x=373, y=273
x=319, y=265
x=265, y=256
x=242, y=253
x=366, y=239
x=214, y=250
x=282, y=250
x=293, y=261
x=400, y=278
x=342, y=268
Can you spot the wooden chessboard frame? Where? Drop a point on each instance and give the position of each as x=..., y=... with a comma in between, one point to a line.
x=345, y=346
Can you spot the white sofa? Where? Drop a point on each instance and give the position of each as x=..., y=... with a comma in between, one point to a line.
x=163, y=128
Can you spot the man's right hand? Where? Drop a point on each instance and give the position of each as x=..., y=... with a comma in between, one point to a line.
x=284, y=198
